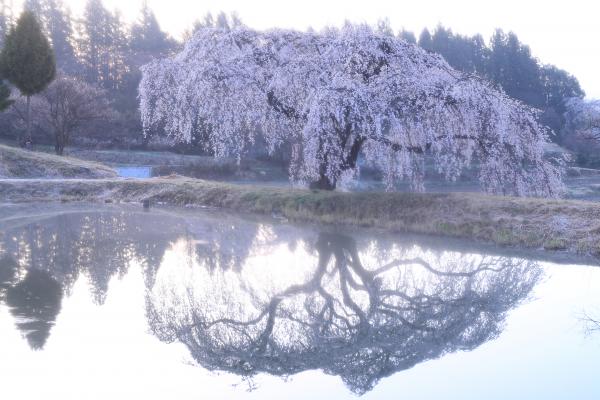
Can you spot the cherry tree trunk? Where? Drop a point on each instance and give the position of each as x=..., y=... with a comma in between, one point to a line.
x=322, y=184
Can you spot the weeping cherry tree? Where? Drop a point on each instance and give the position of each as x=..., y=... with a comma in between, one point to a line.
x=343, y=97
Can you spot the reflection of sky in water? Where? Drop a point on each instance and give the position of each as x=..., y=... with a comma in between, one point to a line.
x=134, y=172
x=107, y=351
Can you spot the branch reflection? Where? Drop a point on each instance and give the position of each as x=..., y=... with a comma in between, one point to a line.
x=359, y=322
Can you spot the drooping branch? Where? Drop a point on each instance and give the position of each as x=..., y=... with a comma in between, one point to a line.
x=338, y=95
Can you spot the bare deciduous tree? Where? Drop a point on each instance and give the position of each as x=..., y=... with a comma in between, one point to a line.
x=65, y=106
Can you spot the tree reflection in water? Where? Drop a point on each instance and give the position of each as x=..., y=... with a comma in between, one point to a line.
x=34, y=301
x=357, y=322
x=249, y=298
x=43, y=257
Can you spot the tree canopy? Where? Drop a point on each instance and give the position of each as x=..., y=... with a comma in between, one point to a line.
x=5, y=100
x=583, y=118
x=27, y=60
x=340, y=94
x=510, y=65
x=64, y=107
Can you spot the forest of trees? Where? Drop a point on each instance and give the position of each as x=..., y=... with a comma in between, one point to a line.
x=101, y=49
x=508, y=63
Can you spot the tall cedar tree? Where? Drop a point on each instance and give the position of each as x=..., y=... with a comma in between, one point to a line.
x=5, y=100
x=27, y=60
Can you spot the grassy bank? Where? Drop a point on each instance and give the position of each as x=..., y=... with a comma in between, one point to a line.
x=554, y=225
x=19, y=163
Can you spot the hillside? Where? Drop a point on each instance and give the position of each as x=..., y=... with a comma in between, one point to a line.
x=18, y=163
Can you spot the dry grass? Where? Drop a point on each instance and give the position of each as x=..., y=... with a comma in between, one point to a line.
x=18, y=163
x=553, y=225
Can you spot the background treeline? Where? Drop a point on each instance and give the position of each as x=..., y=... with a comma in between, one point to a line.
x=99, y=48
x=509, y=64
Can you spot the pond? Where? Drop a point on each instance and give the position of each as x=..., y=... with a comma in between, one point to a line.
x=110, y=301
x=134, y=172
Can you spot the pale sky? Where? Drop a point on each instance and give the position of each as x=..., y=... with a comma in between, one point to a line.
x=563, y=33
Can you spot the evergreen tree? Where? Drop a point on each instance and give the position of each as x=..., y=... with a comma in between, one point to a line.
x=92, y=41
x=35, y=7
x=384, y=27
x=559, y=86
x=115, y=53
x=509, y=64
x=27, y=60
x=5, y=100
x=146, y=35
x=102, y=46
x=55, y=20
x=5, y=18
x=425, y=40
x=513, y=68
x=408, y=36
x=5, y=23
x=59, y=27
x=464, y=53
x=441, y=43
x=480, y=55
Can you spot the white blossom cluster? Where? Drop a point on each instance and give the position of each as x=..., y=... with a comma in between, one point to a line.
x=583, y=118
x=341, y=97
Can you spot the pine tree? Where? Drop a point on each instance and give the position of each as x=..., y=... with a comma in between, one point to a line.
x=55, y=21
x=116, y=52
x=513, y=68
x=5, y=22
x=559, y=86
x=27, y=60
x=408, y=36
x=146, y=35
x=5, y=100
x=102, y=46
x=59, y=28
x=5, y=18
x=91, y=43
x=34, y=6
x=425, y=40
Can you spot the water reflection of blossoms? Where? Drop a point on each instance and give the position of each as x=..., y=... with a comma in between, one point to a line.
x=360, y=322
x=249, y=298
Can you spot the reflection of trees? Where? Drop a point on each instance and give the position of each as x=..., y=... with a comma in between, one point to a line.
x=34, y=300
x=35, y=303
x=8, y=274
x=225, y=246
x=40, y=255
x=54, y=252
x=346, y=319
x=592, y=323
x=361, y=312
x=101, y=244
x=97, y=244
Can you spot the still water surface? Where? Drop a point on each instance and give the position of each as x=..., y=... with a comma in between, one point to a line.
x=111, y=302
